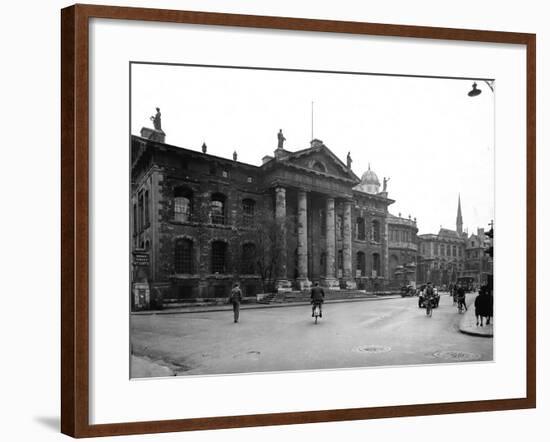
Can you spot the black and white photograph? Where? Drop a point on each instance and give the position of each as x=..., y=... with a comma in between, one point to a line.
x=285, y=220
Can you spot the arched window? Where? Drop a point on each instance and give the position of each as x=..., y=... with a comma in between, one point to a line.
x=454, y=250
x=249, y=206
x=375, y=231
x=218, y=257
x=183, y=204
x=217, y=208
x=323, y=263
x=360, y=228
x=442, y=250
x=248, y=258
x=448, y=250
x=361, y=263
x=340, y=260
x=375, y=264
x=183, y=256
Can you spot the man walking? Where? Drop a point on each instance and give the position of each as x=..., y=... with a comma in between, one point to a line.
x=235, y=299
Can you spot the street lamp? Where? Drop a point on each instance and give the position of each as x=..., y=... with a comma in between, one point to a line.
x=475, y=91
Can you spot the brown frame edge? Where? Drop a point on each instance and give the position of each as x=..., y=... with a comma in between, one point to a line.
x=74, y=220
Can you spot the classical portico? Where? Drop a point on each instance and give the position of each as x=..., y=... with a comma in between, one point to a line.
x=316, y=181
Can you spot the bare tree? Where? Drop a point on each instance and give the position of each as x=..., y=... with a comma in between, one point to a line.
x=264, y=234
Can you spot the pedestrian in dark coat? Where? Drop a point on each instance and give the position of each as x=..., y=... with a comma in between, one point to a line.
x=235, y=299
x=484, y=305
x=478, y=304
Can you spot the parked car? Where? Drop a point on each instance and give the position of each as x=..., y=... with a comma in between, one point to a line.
x=421, y=297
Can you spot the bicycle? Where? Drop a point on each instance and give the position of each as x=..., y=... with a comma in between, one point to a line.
x=429, y=307
x=461, y=305
x=316, y=311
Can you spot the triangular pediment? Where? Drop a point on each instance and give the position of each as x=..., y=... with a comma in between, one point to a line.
x=319, y=159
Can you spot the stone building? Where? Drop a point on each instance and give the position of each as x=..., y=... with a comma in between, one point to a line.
x=451, y=254
x=403, y=250
x=442, y=257
x=194, y=217
x=477, y=263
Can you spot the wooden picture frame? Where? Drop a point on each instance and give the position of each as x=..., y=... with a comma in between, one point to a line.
x=75, y=219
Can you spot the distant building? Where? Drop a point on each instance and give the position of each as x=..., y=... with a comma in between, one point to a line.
x=450, y=254
x=477, y=263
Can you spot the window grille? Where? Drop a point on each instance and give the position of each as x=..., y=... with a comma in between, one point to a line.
x=218, y=256
x=183, y=256
x=248, y=212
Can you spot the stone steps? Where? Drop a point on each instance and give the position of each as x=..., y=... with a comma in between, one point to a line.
x=304, y=296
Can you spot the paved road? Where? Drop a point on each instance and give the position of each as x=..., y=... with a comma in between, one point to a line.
x=351, y=334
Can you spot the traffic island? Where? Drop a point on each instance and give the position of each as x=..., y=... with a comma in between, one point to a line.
x=468, y=324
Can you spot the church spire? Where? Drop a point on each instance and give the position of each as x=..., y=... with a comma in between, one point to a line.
x=459, y=217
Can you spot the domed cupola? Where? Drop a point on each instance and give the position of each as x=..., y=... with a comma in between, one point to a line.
x=369, y=182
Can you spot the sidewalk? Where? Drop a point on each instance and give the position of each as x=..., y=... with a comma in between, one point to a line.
x=224, y=308
x=468, y=324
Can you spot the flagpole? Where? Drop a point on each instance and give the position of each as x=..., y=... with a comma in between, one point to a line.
x=312, y=120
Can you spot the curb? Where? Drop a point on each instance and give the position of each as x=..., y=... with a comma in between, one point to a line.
x=472, y=333
x=255, y=306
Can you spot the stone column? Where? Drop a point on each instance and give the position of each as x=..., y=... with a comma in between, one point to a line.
x=281, y=282
x=348, y=275
x=302, y=281
x=330, y=280
x=385, y=258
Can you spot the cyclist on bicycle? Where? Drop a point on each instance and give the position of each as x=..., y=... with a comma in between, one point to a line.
x=317, y=299
x=461, y=298
x=429, y=294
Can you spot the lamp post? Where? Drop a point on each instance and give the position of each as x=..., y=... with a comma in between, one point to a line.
x=475, y=91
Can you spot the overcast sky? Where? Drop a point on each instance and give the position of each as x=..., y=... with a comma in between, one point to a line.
x=427, y=135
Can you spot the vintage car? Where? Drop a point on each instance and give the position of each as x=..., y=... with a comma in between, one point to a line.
x=421, y=298
x=466, y=282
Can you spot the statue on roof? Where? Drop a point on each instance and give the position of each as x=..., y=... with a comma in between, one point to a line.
x=385, y=188
x=280, y=139
x=349, y=160
x=156, y=120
